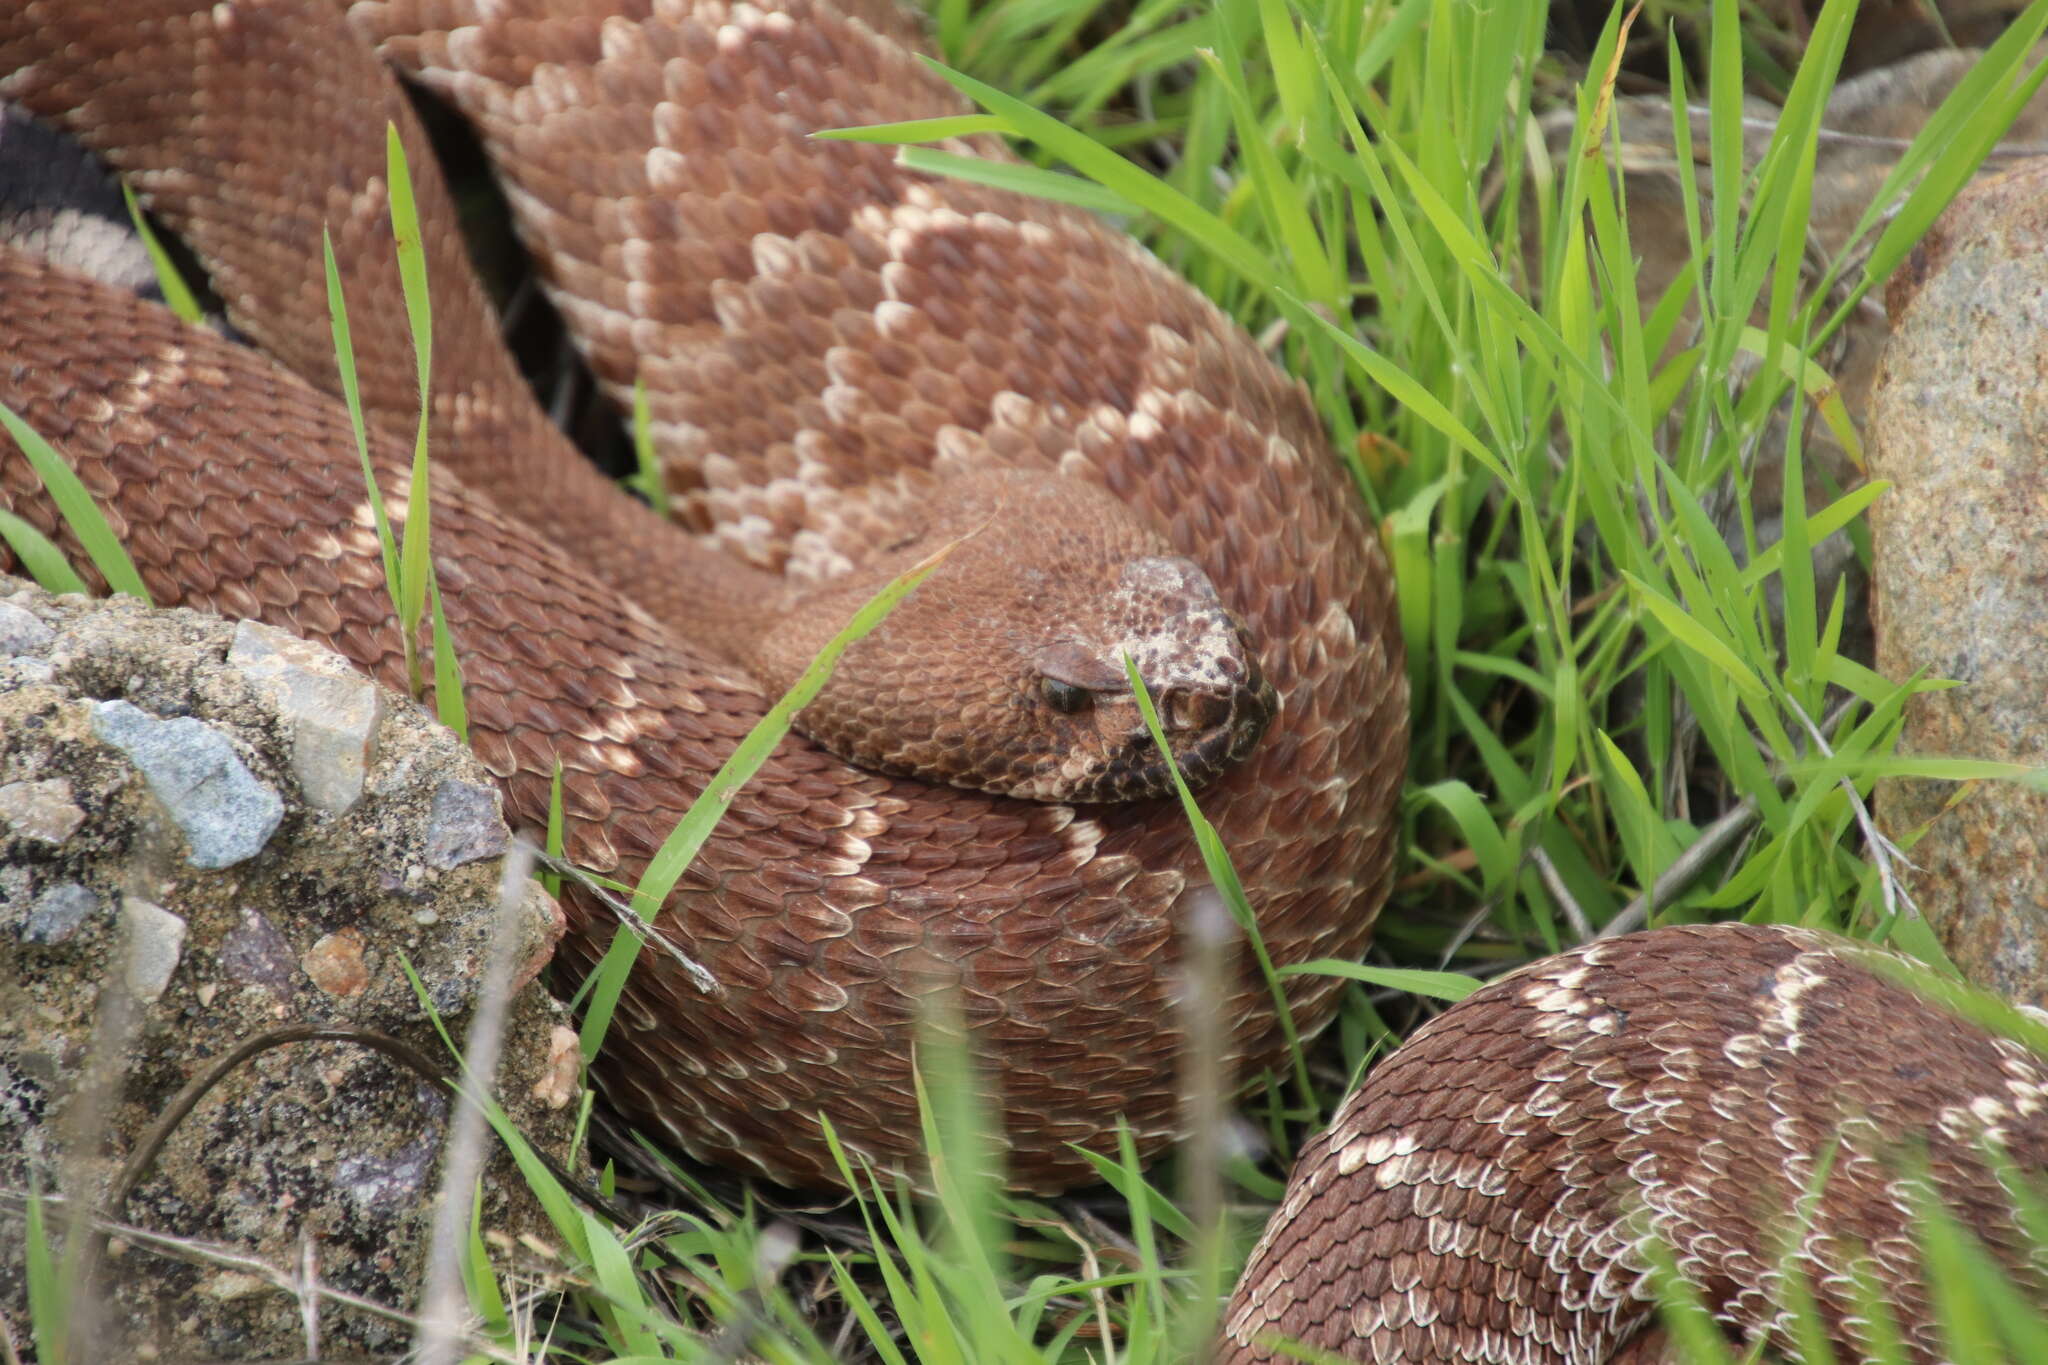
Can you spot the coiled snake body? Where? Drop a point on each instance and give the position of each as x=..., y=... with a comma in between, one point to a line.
x=848, y=364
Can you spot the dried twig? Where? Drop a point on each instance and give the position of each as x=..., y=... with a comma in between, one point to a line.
x=631, y=921
x=1883, y=851
x=1553, y=882
x=445, y=1307
x=1711, y=843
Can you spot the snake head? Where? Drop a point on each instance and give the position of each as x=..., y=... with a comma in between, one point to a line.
x=1211, y=697
x=1004, y=670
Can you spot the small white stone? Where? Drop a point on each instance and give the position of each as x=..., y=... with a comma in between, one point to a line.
x=156, y=941
x=332, y=711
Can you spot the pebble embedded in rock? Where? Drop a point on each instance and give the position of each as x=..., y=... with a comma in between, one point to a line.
x=335, y=964
x=254, y=953
x=40, y=810
x=465, y=822
x=21, y=632
x=155, y=941
x=27, y=671
x=332, y=710
x=59, y=912
x=226, y=814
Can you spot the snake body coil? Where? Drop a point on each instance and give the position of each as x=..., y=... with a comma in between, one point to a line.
x=832, y=345
x=848, y=364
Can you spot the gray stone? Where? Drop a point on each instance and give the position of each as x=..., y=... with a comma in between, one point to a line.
x=40, y=810
x=465, y=823
x=254, y=953
x=155, y=942
x=21, y=632
x=25, y=670
x=226, y=814
x=333, y=711
x=59, y=912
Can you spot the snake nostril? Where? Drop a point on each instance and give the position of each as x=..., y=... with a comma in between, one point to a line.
x=1193, y=710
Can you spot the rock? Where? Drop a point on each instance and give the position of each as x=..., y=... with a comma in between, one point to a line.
x=328, y=1142
x=254, y=953
x=59, y=912
x=467, y=822
x=226, y=814
x=40, y=810
x=156, y=940
x=333, y=711
x=335, y=964
x=1960, y=421
x=20, y=631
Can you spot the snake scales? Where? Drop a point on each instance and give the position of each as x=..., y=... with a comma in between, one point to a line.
x=846, y=361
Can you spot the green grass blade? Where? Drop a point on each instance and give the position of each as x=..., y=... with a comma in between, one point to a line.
x=1112, y=172
x=49, y=1295
x=1448, y=986
x=1223, y=875
x=42, y=559
x=917, y=130
x=1031, y=180
x=178, y=296
x=352, y=400
x=646, y=478
x=415, y=565
x=76, y=506
x=666, y=868
x=449, y=702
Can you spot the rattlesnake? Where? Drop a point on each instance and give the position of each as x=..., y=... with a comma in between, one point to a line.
x=849, y=365
x=825, y=303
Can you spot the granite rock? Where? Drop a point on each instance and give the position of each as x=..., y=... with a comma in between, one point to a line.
x=1960, y=418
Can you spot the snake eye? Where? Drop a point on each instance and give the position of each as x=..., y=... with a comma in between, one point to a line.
x=1065, y=696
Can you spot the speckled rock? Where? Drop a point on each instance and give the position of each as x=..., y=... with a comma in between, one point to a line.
x=466, y=822
x=20, y=631
x=59, y=912
x=40, y=810
x=1961, y=427
x=329, y=1141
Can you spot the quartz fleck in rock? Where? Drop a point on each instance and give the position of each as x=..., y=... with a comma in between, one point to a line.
x=332, y=711
x=255, y=953
x=336, y=965
x=226, y=814
x=559, y=1083
x=21, y=632
x=156, y=940
x=40, y=810
x=59, y=912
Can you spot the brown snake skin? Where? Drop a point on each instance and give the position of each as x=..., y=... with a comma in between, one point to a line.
x=1484, y=1195
x=822, y=327
x=818, y=328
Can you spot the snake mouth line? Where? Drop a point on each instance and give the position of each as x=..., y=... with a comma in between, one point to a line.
x=1139, y=772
